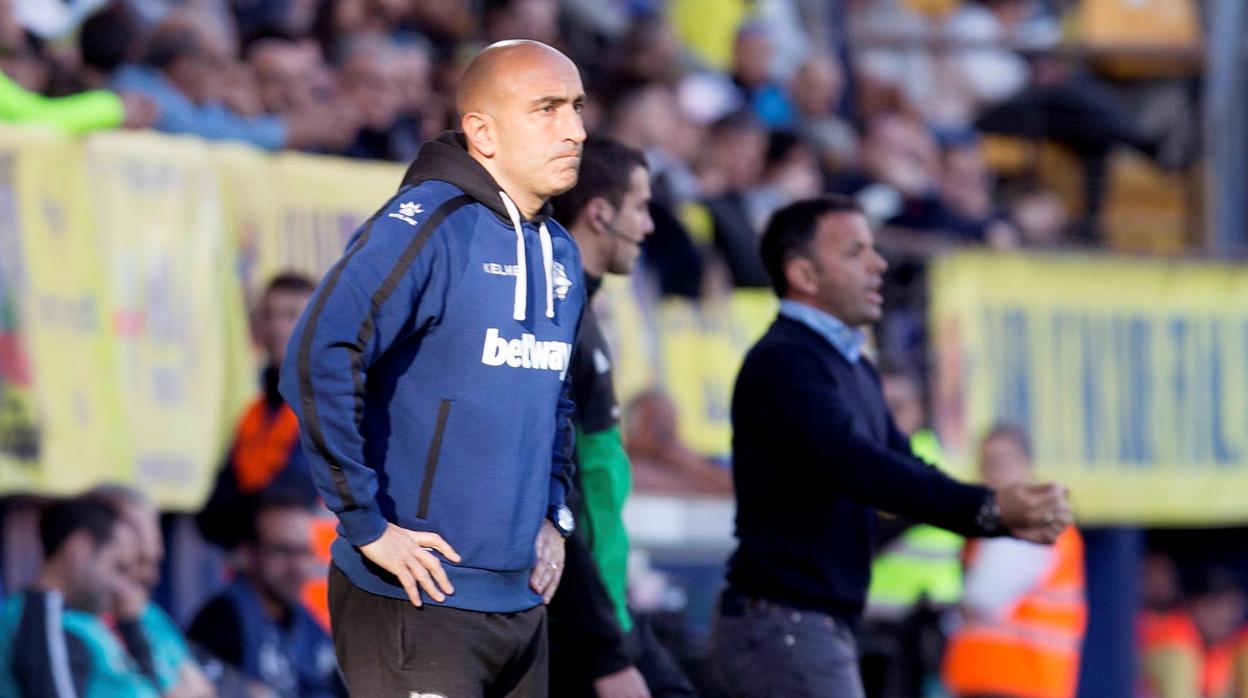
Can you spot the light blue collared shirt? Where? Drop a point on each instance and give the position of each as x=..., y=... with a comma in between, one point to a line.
x=847, y=340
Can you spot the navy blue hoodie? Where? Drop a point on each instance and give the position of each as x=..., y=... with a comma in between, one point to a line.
x=430, y=377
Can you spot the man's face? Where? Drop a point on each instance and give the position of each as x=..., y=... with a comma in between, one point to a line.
x=281, y=557
x=538, y=127
x=848, y=270
x=1003, y=462
x=279, y=313
x=368, y=79
x=283, y=78
x=151, y=548
x=97, y=572
x=631, y=224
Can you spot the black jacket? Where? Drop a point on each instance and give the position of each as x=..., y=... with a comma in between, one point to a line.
x=814, y=452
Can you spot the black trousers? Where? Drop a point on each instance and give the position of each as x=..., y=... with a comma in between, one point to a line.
x=388, y=647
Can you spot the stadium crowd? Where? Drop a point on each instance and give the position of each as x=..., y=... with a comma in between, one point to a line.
x=740, y=108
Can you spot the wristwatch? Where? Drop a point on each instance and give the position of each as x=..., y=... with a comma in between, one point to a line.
x=988, y=518
x=561, y=517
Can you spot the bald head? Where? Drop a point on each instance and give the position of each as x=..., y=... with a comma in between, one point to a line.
x=520, y=108
x=492, y=74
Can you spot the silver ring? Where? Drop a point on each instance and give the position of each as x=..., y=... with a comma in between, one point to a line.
x=553, y=566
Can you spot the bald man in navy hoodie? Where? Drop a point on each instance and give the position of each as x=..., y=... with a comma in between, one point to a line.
x=429, y=374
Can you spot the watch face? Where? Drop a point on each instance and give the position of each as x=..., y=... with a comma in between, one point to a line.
x=564, y=520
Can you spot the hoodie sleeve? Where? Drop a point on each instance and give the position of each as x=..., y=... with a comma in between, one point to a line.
x=389, y=285
x=563, y=468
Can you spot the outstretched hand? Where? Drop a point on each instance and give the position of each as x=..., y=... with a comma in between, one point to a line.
x=1035, y=512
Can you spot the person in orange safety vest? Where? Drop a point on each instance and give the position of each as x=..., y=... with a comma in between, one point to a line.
x=265, y=455
x=1024, y=606
x=1192, y=650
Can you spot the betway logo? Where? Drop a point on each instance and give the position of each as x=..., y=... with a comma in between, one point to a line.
x=526, y=352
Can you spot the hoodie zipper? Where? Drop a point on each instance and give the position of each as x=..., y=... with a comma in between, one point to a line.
x=431, y=462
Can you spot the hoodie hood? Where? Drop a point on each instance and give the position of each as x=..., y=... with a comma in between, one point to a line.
x=446, y=159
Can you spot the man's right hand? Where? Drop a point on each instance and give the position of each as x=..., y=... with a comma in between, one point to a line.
x=1035, y=512
x=625, y=683
x=406, y=554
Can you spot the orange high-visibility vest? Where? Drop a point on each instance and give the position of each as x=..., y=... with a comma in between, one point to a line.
x=1240, y=662
x=262, y=445
x=1034, y=652
x=1177, y=663
x=315, y=593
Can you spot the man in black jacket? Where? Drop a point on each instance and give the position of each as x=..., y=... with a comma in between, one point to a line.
x=815, y=452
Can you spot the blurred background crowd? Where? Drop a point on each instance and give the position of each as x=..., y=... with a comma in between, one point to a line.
x=1004, y=124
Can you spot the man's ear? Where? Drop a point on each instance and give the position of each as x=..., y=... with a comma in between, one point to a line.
x=479, y=130
x=600, y=212
x=801, y=274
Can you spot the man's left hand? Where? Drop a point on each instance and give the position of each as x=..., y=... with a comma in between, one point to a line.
x=549, y=567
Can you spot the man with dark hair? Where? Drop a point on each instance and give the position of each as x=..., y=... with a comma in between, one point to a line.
x=596, y=648
x=257, y=624
x=265, y=454
x=177, y=673
x=52, y=640
x=815, y=452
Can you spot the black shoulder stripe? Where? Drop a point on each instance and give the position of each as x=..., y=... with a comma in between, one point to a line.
x=311, y=418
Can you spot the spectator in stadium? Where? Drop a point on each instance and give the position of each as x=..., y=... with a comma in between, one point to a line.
x=751, y=71
x=897, y=180
x=738, y=154
x=916, y=574
x=285, y=74
x=817, y=88
x=370, y=78
x=790, y=172
x=258, y=624
x=608, y=215
x=1043, y=99
x=662, y=463
x=967, y=207
x=177, y=674
x=88, y=111
x=265, y=454
x=815, y=453
x=1038, y=213
x=181, y=72
x=1190, y=650
x=422, y=108
x=388, y=361
x=53, y=641
x=1024, y=611
x=637, y=112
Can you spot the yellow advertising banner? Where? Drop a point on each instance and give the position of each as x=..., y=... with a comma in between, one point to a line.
x=1130, y=376
x=58, y=426
x=315, y=204
x=172, y=304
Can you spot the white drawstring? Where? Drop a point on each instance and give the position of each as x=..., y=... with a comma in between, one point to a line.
x=522, y=273
x=548, y=263
x=522, y=269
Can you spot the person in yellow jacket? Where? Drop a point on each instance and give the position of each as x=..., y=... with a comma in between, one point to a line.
x=916, y=575
x=1024, y=605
